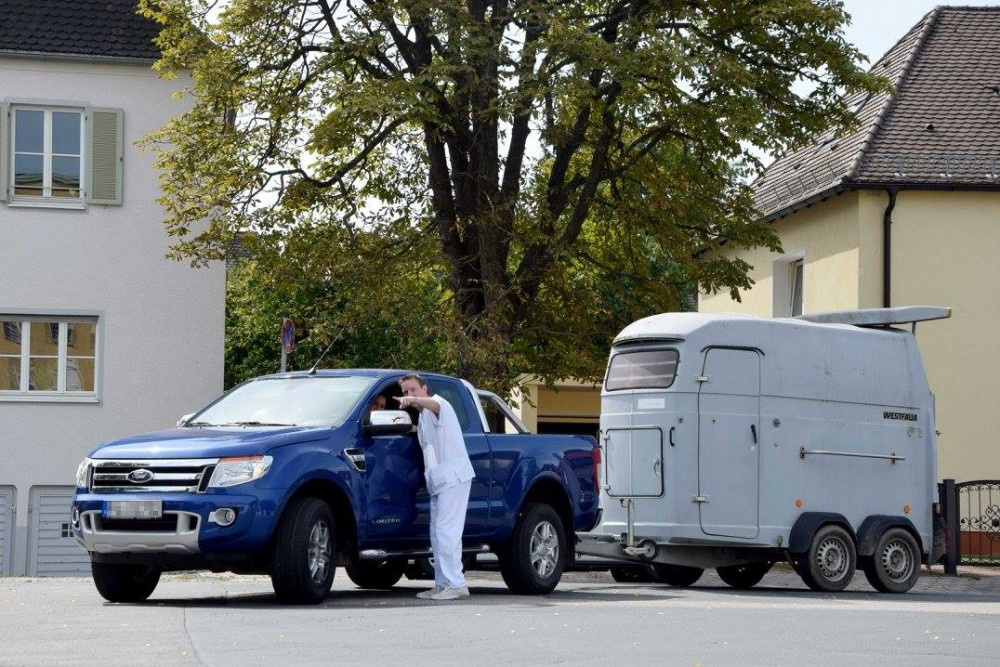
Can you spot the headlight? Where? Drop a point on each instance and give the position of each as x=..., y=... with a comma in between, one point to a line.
x=239, y=470
x=83, y=474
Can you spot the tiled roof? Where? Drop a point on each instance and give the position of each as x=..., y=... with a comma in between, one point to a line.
x=88, y=28
x=941, y=127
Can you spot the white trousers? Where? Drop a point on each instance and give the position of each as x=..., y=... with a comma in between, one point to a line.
x=447, y=524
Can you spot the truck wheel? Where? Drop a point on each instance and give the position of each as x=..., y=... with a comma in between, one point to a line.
x=532, y=561
x=895, y=565
x=124, y=582
x=829, y=564
x=680, y=576
x=302, y=563
x=381, y=574
x=743, y=576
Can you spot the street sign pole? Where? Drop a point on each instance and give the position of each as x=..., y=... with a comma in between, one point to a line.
x=287, y=341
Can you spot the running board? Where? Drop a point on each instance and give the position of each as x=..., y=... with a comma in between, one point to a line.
x=382, y=554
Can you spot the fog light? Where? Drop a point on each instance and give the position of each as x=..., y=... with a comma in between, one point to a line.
x=223, y=517
x=75, y=517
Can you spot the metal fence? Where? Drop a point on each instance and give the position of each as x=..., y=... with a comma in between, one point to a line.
x=971, y=513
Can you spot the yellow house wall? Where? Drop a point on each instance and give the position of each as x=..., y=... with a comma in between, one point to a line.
x=945, y=247
x=827, y=235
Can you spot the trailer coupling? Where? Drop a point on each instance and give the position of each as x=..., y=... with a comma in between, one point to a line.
x=646, y=549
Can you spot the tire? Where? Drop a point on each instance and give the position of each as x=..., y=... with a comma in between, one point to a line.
x=680, y=576
x=830, y=562
x=744, y=576
x=378, y=574
x=895, y=565
x=302, y=563
x=124, y=582
x=532, y=561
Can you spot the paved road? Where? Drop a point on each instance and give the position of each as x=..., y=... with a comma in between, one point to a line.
x=590, y=619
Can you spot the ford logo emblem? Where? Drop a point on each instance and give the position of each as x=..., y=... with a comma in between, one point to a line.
x=140, y=476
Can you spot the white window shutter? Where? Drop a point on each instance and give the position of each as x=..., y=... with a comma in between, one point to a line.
x=106, y=148
x=4, y=150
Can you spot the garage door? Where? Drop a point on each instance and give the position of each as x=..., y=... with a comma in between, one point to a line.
x=6, y=528
x=52, y=549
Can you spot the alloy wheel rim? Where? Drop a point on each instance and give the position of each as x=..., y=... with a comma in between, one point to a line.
x=319, y=552
x=544, y=549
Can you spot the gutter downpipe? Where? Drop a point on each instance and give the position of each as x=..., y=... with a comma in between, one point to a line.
x=887, y=248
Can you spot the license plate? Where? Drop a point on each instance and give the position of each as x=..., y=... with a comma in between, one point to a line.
x=133, y=509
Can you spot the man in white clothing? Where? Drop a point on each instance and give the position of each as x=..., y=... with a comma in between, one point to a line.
x=449, y=474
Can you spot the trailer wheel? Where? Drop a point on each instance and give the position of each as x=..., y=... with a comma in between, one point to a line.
x=680, y=576
x=829, y=564
x=744, y=576
x=302, y=564
x=532, y=561
x=124, y=582
x=378, y=574
x=895, y=565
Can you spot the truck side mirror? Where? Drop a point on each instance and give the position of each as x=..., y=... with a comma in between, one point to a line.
x=388, y=422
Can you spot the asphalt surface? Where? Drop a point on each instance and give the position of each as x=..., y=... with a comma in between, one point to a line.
x=222, y=619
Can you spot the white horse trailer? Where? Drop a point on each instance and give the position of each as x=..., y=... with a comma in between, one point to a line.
x=733, y=442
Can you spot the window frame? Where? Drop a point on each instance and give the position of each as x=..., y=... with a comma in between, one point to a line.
x=633, y=351
x=47, y=200
x=63, y=356
x=786, y=283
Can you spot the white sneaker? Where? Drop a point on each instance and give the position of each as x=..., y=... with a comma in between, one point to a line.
x=447, y=593
x=431, y=593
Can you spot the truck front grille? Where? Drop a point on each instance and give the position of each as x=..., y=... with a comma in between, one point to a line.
x=159, y=476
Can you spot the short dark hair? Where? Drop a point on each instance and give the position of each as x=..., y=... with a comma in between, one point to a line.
x=413, y=376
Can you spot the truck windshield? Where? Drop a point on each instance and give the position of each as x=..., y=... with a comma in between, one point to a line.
x=295, y=401
x=642, y=369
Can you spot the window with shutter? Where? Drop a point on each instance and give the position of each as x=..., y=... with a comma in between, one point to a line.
x=59, y=156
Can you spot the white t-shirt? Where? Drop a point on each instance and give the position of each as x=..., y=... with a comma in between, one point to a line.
x=446, y=460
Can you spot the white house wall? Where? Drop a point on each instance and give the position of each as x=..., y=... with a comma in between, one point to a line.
x=162, y=322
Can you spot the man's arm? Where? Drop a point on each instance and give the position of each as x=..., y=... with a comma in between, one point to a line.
x=421, y=402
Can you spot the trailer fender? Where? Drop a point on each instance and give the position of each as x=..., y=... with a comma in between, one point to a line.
x=806, y=526
x=875, y=526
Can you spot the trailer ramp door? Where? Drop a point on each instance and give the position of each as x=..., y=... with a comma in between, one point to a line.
x=634, y=461
x=728, y=443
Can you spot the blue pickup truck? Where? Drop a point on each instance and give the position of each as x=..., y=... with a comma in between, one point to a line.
x=294, y=474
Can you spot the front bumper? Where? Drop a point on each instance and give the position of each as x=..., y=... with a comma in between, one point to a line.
x=187, y=525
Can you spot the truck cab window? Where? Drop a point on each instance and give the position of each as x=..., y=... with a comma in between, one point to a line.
x=453, y=395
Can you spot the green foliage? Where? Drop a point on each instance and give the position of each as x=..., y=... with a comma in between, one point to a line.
x=359, y=326
x=528, y=176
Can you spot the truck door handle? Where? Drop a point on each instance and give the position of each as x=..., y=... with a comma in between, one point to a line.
x=671, y=436
x=753, y=431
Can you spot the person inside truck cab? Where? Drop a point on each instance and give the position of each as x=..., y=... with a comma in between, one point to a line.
x=378, y=403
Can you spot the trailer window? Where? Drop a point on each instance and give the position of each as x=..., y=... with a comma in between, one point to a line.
x=646, y=369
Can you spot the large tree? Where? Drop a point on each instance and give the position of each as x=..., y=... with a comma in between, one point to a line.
x=554, y=165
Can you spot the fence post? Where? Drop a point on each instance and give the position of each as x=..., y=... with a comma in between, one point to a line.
x=949, y=502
